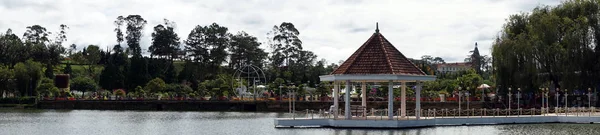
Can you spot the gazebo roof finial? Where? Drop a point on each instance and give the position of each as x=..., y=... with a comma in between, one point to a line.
x=377, y=27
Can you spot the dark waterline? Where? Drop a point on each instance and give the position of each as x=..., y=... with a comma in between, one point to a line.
x=78, y=122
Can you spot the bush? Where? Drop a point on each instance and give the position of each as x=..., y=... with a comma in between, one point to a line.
x=47, y=88
x=155, y=85
x=119, y=92
x=179, y=89
x=139, y=91
x=84, y=84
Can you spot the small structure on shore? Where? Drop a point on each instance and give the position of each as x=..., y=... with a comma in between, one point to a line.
x=61, y=81
x=377, y=60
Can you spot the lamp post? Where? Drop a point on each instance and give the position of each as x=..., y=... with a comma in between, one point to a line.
x=546, y=93
x=293, y=98
x=509, y=98
x=556, y=95
x=467, y=95
x=519, y=98
x=254, y=87
x=589, y=98
x=542, y=93
x=280, y=96
x=459, y=100
x=566, y=97
x=289, y=99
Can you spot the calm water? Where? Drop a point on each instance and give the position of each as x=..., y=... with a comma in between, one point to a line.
x=80, y=122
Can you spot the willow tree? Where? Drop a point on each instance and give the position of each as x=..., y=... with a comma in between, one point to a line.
x=556, y=46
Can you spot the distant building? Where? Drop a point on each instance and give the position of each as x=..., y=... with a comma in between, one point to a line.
x=453, y=67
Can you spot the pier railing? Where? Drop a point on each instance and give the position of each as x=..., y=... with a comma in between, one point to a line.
x=381, y=114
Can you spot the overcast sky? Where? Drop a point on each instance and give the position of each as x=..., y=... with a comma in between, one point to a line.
x=331, y=29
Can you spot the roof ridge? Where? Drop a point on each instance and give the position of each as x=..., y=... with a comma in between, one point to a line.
x=385, y=51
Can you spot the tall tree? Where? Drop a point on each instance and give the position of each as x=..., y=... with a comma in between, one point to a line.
x=36, y=34
x=165, y=42
x=115, y=69
x=119, y=23
x=139, y=76
x=6, y=79
x=92, y=57
x=285, y=44
x=245, y=49
x=43, y=50
x=12, y=49
x=28, y=75
x=552, y=46
x=135, y=25
x=208, y=45
x=62, y=34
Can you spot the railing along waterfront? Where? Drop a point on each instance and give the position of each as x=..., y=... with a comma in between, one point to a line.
x=381, y=114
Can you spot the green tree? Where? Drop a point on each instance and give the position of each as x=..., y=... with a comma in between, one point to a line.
x=84, y=84
x=208, y=46
x=135, y=25
x=245, y=49
x=139, y=91
x=138, y=72
x=470, y=81
x=139, y=76
x=6, y=79
x=165, y=42
x=221, y=86
x=155, y=85
x=119, y=23
x=12, y=50
x=165, y=45
x=324, y=89
x=36, y=34
x=179, y=89
x=92, y=56
x=285, y=44
x=555, y=45
x=115, y=69
x=28, y=75
x=68, y=69
x=47, y=88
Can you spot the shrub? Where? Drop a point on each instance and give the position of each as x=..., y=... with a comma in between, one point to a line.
x=119, y=92
x=155, y=85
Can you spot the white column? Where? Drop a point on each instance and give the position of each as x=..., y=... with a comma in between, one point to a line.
x=390, y=100
x=363, y=90
x=336, y=98
x=403, y=100
x=347, y=98
x=418, y=98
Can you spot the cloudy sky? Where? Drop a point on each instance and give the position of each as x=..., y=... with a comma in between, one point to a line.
x=333, y=29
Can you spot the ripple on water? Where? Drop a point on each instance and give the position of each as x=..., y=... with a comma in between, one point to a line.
x=77, y=122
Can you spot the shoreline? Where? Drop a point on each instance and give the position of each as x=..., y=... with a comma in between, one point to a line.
x=237, y=106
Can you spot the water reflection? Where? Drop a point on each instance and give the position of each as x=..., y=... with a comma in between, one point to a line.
x=226, y=123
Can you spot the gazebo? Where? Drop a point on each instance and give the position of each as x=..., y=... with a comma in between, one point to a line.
x=377, y=60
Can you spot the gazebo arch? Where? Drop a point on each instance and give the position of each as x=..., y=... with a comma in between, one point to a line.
x=377, y=60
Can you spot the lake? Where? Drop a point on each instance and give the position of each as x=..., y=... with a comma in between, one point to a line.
x=80, y=122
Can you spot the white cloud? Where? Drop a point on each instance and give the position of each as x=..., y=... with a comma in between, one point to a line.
x=332, y=29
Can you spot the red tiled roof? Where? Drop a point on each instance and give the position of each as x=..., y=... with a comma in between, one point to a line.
x=378, y=56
